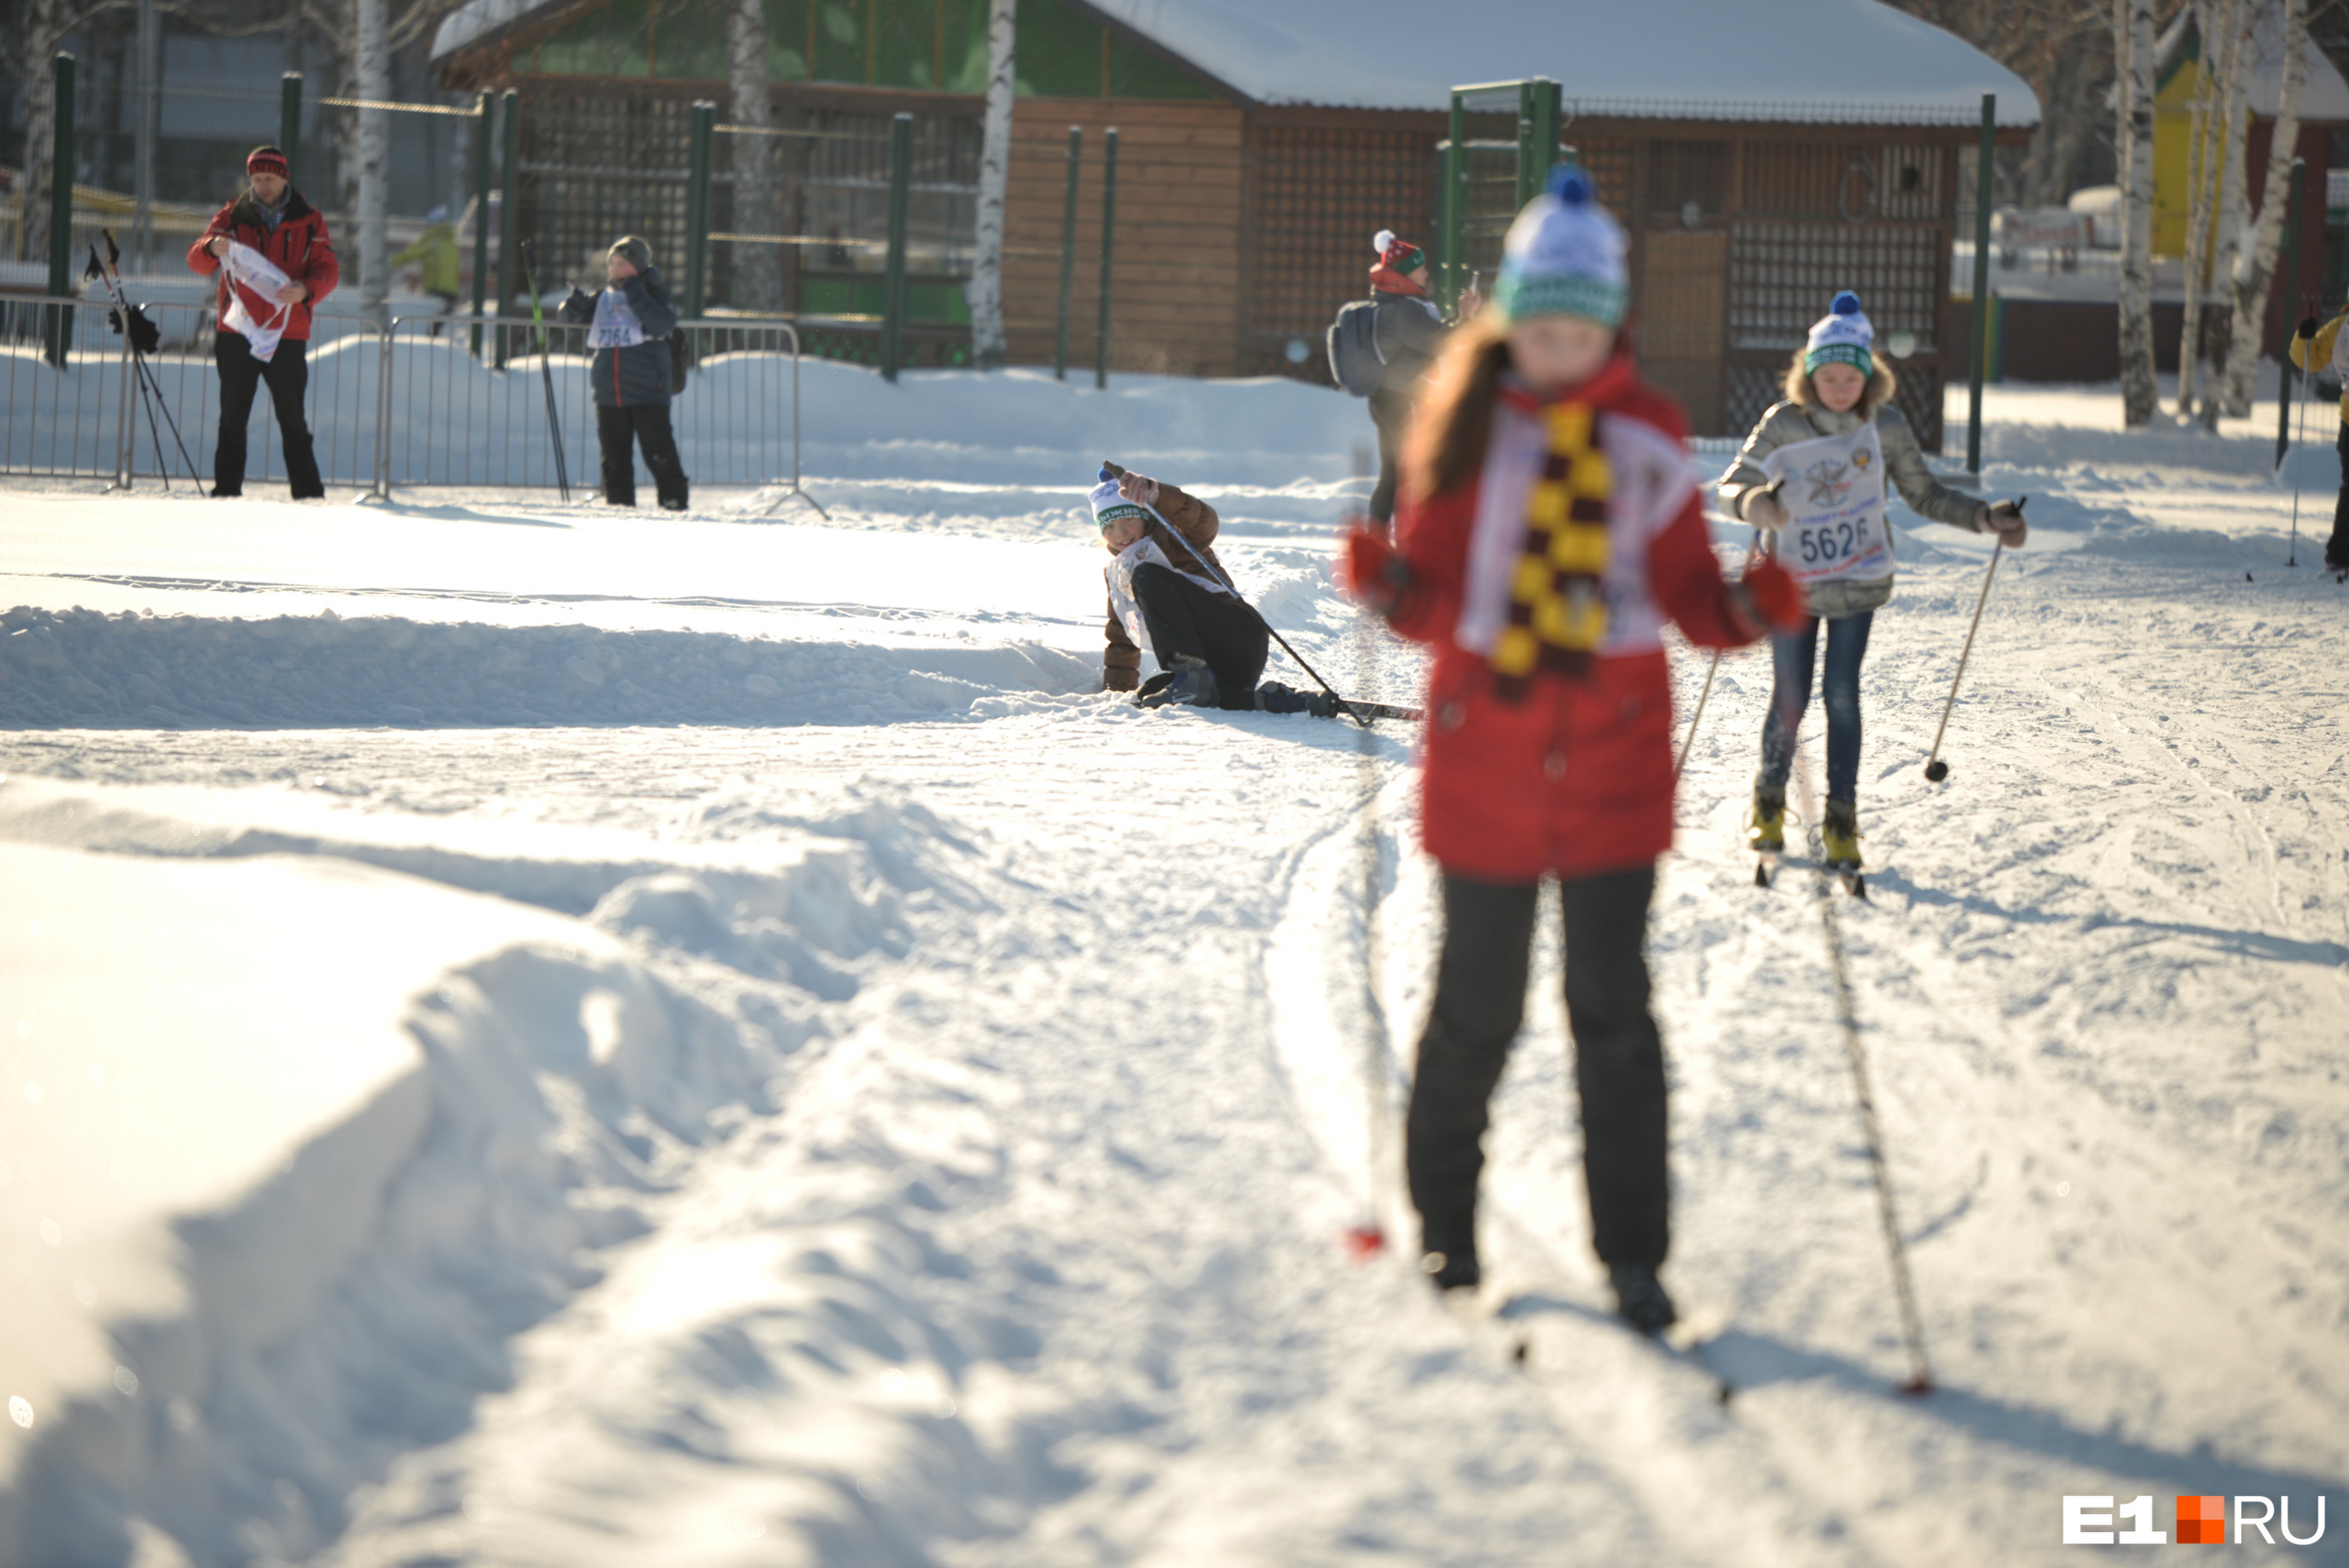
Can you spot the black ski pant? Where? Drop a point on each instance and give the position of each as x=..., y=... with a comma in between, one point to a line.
x=2336, y=549
x=642, y=425
x=1619, y=1059
x=288, y=374
x=1215, y=628
x=1390, y=412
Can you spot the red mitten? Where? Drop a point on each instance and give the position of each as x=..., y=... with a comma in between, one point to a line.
x=1373, y=572
x=1770, y=598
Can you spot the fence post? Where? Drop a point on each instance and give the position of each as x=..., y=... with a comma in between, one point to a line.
x=697, y=208
x=383, y=409
x=481, y=212
x=2291, y=309
x=1068, y=255
x=61, y=172
x=124, y=431
x=509, y=205
x=892, y=286
x=1109, y=246
x=289, y=122
x=1985, y=167
x=1537, y=136
x=1452, y=209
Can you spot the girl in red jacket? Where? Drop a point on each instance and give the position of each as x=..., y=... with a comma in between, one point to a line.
x=1549, y=525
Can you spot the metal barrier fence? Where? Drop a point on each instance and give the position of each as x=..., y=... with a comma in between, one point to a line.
x=407, y=406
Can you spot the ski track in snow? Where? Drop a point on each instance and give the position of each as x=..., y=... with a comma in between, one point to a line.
x=1026, y=1251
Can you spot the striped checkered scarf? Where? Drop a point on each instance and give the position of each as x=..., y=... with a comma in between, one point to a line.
x=1557, y=613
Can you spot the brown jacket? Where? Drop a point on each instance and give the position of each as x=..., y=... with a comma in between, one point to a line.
x=1195, y=521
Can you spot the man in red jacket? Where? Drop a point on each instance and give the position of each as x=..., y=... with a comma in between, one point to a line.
x=276, y=263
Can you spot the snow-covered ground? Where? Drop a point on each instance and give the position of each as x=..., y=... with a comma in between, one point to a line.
x=536, y=1036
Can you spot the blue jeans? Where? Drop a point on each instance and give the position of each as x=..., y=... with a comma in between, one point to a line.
x=1791, y=659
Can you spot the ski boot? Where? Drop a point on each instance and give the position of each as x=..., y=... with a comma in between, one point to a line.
x=1640, y=1299
x=1191, y=684
x=1448, y=1257
x=1839, y=831
x=1769, y=821
x=1274, y=698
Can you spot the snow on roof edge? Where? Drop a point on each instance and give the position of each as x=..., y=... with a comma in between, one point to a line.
x=1334, y=84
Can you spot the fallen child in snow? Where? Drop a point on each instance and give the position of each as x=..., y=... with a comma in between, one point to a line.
x=1169, y=596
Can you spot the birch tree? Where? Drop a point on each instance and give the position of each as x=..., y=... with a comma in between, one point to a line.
x=2133, y=54
x=2212, y=137
x=2255, y=263
x=994, y=176
x=2228, y=224
x=47, y=24
x=375, y=160
x=758, y=266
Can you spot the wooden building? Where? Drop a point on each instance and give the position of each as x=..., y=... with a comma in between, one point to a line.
x=1260, y=149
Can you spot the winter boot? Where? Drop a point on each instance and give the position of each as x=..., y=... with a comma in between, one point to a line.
x=1840, y=829
x=1193, y=686
x=1768, y=819
x=1640, y=1299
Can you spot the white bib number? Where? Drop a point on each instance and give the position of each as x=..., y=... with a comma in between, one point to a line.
x=1833, y=491
x=615, y=325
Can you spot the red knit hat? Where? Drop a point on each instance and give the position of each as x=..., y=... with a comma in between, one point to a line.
x=1399, y=254
x=1398, y=259
x=266, y=160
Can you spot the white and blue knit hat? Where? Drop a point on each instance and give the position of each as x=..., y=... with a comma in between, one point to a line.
x=1109, y=506
x=1842, y=336
x=1564, y=257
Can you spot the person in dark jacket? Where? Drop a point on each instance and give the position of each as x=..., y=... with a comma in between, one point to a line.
x=276, y=263
x=1409, y=331
x=628, y=323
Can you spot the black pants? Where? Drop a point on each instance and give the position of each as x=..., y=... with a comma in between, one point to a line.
x=1213, y=628
x=1390, y=412
x=2336, y=549
x=1619, y=1059
x=644, y=425
x=288, y=375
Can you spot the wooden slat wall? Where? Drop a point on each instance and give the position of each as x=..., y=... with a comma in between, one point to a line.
x=1174, y=285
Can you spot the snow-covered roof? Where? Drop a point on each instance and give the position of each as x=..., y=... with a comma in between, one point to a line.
x=2325, y=96
x=1853, y=61
x=1818, y=61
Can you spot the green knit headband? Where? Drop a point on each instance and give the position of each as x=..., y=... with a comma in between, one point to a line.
x=1851, y=353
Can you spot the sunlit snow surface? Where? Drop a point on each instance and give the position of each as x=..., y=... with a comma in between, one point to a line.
x=536, y=1037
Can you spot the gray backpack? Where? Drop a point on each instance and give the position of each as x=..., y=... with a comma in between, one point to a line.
x=1355, y=362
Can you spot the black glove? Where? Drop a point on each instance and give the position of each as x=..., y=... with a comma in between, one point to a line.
x=2308, y=327
x=145, y=335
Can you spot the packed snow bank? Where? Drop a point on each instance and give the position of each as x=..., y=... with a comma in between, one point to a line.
x=82, y=668
x=455, y=421
x=295, y=1145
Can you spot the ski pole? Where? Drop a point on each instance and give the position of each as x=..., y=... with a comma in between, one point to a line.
x=1369, y=1237
x=151, y=389
x=1935, y=769
x=1358, y=714
x=546, y=370
x=2308, y=374
x=1712, y=668
x=1904, y=1287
